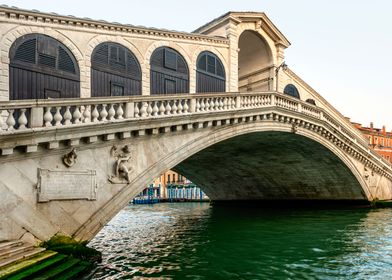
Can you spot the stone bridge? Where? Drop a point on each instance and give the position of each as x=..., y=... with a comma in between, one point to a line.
x=68, y=165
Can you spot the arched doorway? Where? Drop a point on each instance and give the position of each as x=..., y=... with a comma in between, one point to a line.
x=210, y=73
x=254, y=63
x=42, y=67
x=115, y=71
x=169, y=72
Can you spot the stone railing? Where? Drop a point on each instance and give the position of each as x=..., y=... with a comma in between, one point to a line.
x=24, y=115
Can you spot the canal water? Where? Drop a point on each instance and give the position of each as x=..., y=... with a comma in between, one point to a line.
x=200, y=241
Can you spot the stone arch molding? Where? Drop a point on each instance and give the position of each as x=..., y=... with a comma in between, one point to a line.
x=10, y=37
x=189, y=148
x=213, y=50
x=264, y=36
x=180, y=50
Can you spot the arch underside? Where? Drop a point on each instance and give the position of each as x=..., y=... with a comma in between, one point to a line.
x=271, y=166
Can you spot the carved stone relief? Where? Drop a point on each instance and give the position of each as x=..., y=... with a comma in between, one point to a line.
x=122, y=165
x=69, y=159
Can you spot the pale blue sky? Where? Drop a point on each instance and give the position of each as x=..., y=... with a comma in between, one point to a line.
x=342, y=48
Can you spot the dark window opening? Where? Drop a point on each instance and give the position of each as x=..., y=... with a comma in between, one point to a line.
x=210, y=75
x=292, y=91
x=170, y=60
x=311, y=101
x=115, y=71
x=170, y=86
x=42, y=67
x=169, y=72
x=116, y=90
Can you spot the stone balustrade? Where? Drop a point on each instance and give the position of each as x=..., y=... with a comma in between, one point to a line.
x=24, y=115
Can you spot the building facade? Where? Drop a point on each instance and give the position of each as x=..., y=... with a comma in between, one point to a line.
x=171, y=186
x=379, y=139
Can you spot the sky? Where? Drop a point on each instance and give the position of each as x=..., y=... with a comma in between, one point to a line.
x=340, y=48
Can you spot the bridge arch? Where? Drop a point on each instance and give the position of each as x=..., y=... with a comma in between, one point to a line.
x=181, y=153
x=8, y=39
x=255, y=59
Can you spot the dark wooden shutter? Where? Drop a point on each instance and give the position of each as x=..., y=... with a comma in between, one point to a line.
x=169, y=72
x=210, y=74
x=115, y=71
x=42, y=67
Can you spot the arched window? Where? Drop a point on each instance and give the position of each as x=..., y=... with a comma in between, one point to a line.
x=291, y=90
x=210, y=75
x=42, y=67
x=115, y=71
x=311, y=101
x=169, y=72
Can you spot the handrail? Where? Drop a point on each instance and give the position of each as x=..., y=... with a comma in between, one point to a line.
x=24, y=115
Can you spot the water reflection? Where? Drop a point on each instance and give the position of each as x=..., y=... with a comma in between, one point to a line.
x=198, y=241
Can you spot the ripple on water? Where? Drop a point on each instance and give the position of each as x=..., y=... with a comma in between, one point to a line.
x=198, y=241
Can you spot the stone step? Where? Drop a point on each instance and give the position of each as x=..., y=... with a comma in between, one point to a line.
x=63, y=267
x=27, y=266
x=9, y=244
x=6, y=253
x=20, y=256
x=36, y=270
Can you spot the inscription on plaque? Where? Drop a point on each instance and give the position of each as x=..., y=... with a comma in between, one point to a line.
x=66, y=185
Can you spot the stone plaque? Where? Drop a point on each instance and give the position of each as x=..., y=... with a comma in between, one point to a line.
x=66, y=185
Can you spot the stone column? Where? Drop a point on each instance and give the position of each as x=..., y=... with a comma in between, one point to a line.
x=231, y=32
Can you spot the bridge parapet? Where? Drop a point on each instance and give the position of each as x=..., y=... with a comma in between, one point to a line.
x=26, y=116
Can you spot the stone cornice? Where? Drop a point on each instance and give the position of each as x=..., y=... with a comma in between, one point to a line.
x=238, y=17
x=70, y=21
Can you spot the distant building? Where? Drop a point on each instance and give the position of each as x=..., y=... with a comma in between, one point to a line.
x=379, y=139
x=171, y=186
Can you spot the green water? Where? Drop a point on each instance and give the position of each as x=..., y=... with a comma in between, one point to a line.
x=199, y=241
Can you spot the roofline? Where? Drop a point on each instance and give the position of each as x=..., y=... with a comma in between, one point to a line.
x=34, y=15
x=236, y=16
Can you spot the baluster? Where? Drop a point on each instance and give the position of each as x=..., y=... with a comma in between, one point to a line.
x=174, y=107
x=221, y=104
x=180, y=107
x=57, y=117
x=155, y=109
x=197, y=108
x=67, y=116
x=168, y=108
x=186, y=107
x=103, y=114
x=22, y=120
x=232, y=103
x=76, y=115
x=203, y=105
x=161, y=109
x=95, y=113
x=119, y=112
x=225, y=103
x=207, y=106
x=137, y=111
x=111, y=112
x=87, y=114
x=213, y=104
x=48, y=118
x=149, y=109
x=143, y=110
x=1, y=120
